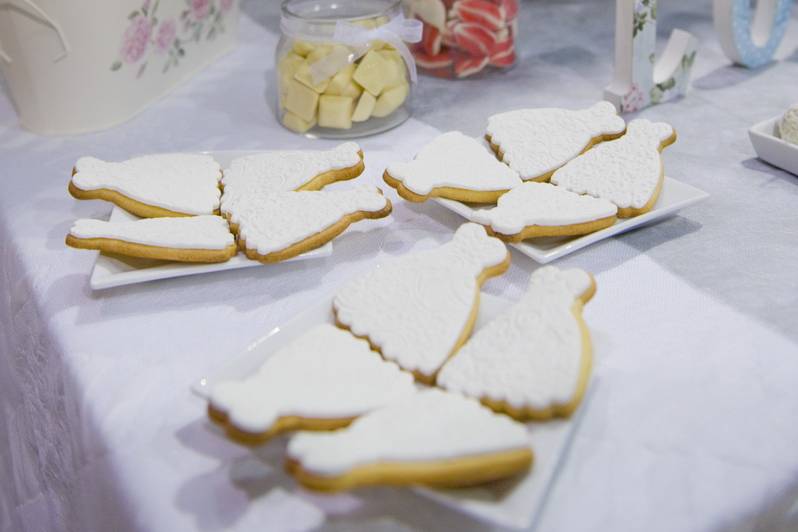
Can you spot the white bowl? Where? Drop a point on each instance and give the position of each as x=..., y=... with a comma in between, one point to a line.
x=772, y=149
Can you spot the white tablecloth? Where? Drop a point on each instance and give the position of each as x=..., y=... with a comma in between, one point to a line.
x=691, y=428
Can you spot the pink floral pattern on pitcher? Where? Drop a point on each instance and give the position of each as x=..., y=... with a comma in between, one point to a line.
x=146, y=34
x=135, y=39
x=167, y=32
x=199, y=9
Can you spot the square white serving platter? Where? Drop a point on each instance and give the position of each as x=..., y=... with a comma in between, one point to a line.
x=513, y=503
x=675, y=196
x=772, y=149
x=114, y=270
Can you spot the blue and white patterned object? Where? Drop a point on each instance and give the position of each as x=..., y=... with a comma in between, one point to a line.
x=747, y=52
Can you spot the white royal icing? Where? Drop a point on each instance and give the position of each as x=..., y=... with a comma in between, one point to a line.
x=415, y=307
x=191, y=232
x=431, y=425
x=531, y=355
x=626, y=171
x=454, y=160
x=542, y=204
x=324, y=374
x=537, y=141
x=181, y=182
x=788, y=125
x=282, y=170
x=273, y=221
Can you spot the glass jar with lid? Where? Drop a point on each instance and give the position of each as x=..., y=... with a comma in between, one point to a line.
x=342, y=66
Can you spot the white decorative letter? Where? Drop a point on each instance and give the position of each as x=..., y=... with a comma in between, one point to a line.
x=638, y=81
x=747, y=38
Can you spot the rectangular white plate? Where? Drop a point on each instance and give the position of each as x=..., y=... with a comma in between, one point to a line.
x=513, y=503
x=771, y=149
x=114, y=270
x=675, y=196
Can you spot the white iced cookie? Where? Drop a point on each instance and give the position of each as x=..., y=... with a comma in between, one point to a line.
x=320, y=381
x=418, y=310
x=176, y=184
x=185, y=239
x=434, y=438
x=535, y=142
x=534, y=210
x=628, y=171
x=286, y=170
x=452, y=166
x=534, y=360
x=274, y=226
x=788, y=125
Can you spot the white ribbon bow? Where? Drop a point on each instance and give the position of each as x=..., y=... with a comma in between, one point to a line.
x=396, y=32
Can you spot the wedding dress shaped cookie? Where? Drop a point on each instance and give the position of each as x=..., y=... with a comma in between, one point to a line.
x=321, y=381
x=433, y=438
x=175, y=184
x=185, y=239
x=275, y=226
x=452, y=166
x=533, y=361
x=287, y=170
x=540, y=209
x=417, y=310
x=535, y=142
x=628, y=171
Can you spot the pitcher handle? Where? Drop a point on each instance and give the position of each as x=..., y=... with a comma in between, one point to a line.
x=53, y=24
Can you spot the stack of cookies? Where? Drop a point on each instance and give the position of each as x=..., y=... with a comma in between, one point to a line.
x=396, y=389
x=550, y=172
x=270, y=206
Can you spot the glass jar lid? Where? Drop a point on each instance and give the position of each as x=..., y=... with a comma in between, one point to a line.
x=330, y=11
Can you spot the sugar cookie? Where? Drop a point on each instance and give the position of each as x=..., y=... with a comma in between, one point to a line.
x=452, y=166
x=280, y=225
x=321, y=381
x=628, y=171
x=432, y=438
x=535, y=142
x=185, y=239
x=256, y=175
x=152, y=186
x=540, y=209
x=533, y=361
x=418, y=310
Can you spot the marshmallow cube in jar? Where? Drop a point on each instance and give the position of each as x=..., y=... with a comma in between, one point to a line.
x=340, y=87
